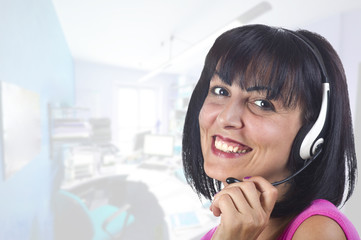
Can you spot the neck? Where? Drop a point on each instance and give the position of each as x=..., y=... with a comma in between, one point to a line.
x=275, y=228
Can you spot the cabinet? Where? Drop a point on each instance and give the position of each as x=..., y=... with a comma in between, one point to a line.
x=78, y=141
x=179, y=111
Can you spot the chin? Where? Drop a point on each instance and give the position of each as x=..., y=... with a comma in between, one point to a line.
x=218, y=174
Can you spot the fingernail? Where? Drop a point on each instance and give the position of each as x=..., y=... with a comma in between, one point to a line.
x=247, y=177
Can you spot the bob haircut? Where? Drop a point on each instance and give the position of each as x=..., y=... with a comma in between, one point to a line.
x=261, y=55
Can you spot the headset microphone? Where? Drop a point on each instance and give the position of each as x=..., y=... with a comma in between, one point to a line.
x=308, y=162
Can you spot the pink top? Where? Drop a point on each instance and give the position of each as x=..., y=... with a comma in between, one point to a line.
x=317, y=207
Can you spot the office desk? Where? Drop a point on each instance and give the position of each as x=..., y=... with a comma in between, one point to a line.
x=186, y=216
x=156, y=189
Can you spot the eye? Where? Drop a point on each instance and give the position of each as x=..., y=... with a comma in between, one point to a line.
x=220, y=91
x=264, y=105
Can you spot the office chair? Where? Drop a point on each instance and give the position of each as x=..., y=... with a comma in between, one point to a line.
x=74, y=221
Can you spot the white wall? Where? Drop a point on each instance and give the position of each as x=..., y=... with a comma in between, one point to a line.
x=351, y=56
x=97, y=84
x=33, y=55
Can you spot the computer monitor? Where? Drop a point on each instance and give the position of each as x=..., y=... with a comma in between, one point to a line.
x=158, y=145
x=139, y=140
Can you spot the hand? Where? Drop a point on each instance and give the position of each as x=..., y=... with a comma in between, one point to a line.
x=245, y=209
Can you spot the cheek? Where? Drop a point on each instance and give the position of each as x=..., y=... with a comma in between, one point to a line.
x=287, y=138
x=277, y=138
x=207, y=116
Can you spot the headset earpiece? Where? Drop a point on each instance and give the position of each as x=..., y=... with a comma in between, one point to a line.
x=313, y=140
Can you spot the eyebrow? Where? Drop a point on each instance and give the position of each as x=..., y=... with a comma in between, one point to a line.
x=217, y=73
x=250, y=89
x=258, y=88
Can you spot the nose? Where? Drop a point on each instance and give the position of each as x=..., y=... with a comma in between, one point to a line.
x=232, y=115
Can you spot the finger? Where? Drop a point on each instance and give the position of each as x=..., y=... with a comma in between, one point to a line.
x=250, y=193
x=229, y=212
x=268, y=192
x=229, y=224
x=235, y=222
x=239, y=202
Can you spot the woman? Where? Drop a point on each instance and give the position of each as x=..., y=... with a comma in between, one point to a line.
x=259, y=94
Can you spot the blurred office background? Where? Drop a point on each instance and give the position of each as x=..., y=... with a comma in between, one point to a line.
x=93, y=99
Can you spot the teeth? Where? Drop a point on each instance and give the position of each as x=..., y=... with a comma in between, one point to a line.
x=225, y=148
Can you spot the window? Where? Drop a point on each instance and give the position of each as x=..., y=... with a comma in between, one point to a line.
x=136, y=112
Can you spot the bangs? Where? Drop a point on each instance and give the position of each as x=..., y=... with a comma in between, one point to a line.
x=272, y=62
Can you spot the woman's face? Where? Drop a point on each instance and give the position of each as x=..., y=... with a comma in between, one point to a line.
x=245, y=134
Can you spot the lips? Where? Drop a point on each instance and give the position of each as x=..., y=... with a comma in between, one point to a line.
x=229, y=146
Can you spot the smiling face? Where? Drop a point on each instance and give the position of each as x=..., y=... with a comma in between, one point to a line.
x=243, y=133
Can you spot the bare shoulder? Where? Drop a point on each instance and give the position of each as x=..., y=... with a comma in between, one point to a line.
x=319, y=227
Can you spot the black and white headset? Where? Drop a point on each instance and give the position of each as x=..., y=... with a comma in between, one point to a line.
x=313, y=140
x=310, y=143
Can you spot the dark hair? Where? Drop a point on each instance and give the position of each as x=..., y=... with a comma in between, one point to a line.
x=261, y=55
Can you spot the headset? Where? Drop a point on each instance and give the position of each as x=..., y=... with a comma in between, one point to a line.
x=309, y=146
x=314, y=139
